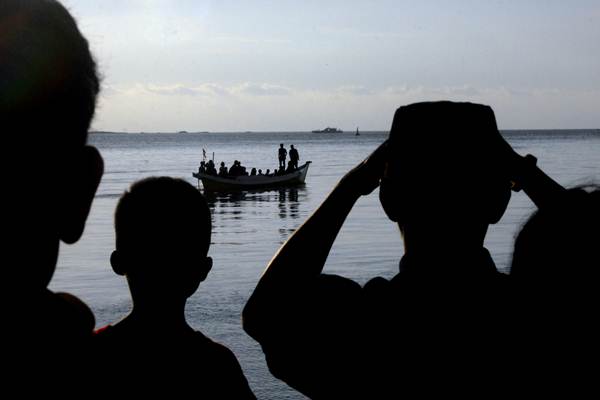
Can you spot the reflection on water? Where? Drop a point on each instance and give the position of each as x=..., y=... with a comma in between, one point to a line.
x=288, y=203
x=242, y=212
x=288, y=200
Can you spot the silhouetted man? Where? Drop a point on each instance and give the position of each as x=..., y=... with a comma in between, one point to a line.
x=440, y=325
x=282, y=154
x=48, y=90
x=294, y=157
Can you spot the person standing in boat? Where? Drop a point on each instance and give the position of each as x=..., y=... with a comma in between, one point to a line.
x=294, y=157
x=282, y=156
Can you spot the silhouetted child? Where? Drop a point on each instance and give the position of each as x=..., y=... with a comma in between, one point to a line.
x=163, y=231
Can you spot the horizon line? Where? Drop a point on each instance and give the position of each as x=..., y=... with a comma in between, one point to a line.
x=100, y=131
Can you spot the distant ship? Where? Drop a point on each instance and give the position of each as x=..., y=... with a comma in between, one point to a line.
x=328, y=130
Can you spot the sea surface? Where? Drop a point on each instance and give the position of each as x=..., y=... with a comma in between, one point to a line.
x=248, y=228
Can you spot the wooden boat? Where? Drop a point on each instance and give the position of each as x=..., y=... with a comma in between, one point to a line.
x=224, y=184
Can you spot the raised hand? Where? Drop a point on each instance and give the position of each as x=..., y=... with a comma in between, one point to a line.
x=365, y=177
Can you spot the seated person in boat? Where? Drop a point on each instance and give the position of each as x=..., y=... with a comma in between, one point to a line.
x=253, y=172
x=223, y=169
x=290, y=167
x=268, y=173
x=234, y=170
x=260, y=172
x=243, y=171
x=163, y=231
x=210, y=168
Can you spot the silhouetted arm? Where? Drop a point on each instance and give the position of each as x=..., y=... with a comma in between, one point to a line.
x=526, y=175
x=538, y=186
x=300, y=260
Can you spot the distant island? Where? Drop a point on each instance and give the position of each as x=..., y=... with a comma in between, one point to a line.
x=328, y=130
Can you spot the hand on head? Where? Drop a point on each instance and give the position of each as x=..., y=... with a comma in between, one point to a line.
x=365, y=177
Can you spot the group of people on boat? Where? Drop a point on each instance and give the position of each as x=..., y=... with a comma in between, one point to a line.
x=237, y=169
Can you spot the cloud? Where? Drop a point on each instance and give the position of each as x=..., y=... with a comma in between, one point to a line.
x=204, y=90
x=211, y=105
x=262, y=89
x=356, y=90
x=176, y=90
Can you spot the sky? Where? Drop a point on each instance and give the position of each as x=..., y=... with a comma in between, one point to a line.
x=199, y=65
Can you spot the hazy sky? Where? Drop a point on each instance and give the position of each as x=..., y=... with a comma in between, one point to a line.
x=300, y=65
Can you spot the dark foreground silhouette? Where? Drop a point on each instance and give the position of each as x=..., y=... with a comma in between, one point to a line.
x=48, y=90
x=163, y=231
x=449, y=322
x=555, y=268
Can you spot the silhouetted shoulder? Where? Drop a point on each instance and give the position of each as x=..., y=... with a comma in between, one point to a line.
x=313, y=348
x=190, y=364
x=65, y=317
x=220, y=363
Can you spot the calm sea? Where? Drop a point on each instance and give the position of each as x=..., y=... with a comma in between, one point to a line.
x=248, y=228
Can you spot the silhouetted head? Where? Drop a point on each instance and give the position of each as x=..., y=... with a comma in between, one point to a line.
x=292, y=146
x=559, y=244
x=281, y=145
x=48, y=89
x=222, y=163
x=163, y=230
x=443, y=169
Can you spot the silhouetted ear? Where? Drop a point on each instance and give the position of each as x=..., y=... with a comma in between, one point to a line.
x=200, y=274
x=81, y=183
x=117, y=264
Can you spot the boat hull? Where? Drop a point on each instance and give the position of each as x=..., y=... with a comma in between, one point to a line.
x=220, y=184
